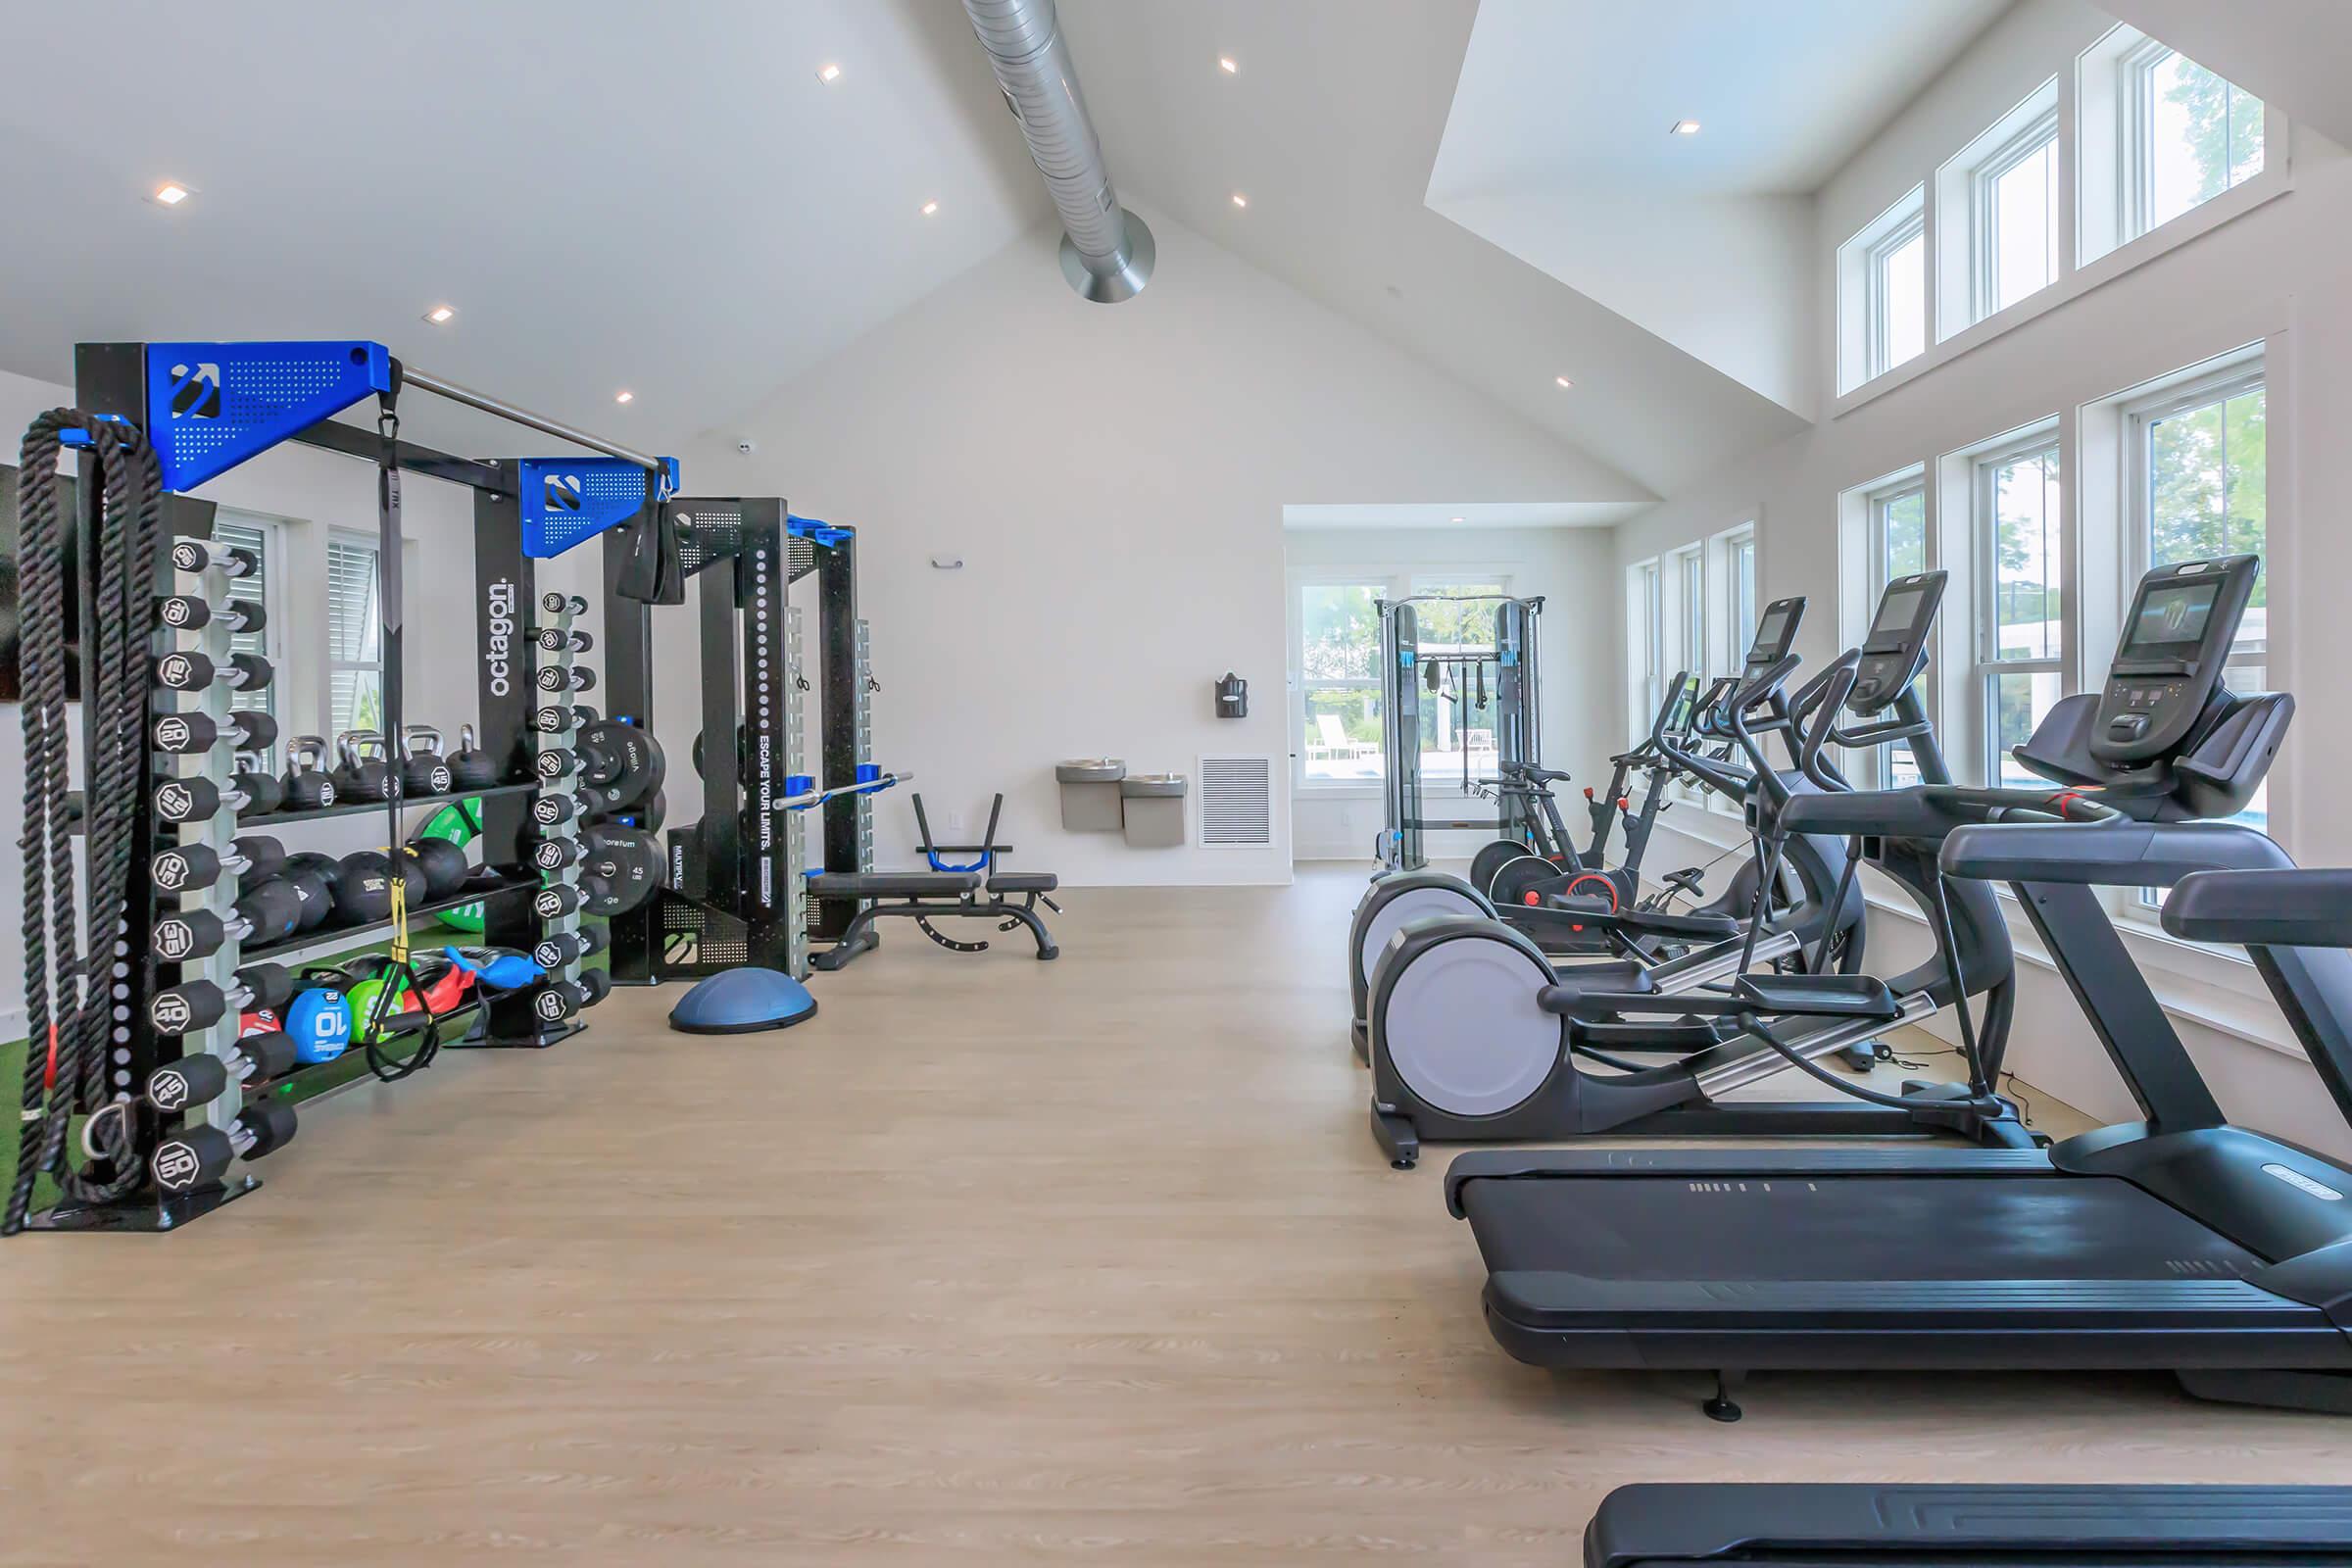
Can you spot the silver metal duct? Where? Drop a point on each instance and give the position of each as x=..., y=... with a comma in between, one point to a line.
x=1107, y=252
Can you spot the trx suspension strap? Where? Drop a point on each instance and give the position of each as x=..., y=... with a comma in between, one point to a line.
x=71, y=954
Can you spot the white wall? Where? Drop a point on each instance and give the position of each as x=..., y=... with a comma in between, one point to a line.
x=313, y=490
x=1571, y=569
x=1113, y=478
x=2273, y=272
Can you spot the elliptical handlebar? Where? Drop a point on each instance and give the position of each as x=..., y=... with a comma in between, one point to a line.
x=1818, y=708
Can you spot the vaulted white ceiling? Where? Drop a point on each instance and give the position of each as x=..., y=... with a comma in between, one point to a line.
x=667, y=199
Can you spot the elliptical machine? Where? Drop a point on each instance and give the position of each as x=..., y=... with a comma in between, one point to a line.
x=1474, y=1036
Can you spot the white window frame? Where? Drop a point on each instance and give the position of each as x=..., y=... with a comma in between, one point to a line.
x=1383, y=586
x=1735, y=622
x=2135, y=162
x=1984, y=540
x=350, y=538
x=1645, y=644
x=1863, y=352
x=2025, y=143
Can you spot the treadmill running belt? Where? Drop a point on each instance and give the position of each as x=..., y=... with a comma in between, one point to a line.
x=1812, y=1228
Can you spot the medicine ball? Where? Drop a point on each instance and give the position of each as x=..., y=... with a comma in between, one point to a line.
x=364, y=893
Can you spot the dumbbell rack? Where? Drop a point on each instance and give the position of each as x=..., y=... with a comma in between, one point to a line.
x=240, y=400
x=550, y=1013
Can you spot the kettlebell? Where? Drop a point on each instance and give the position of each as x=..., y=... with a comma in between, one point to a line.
x=367, y=770
x=470, y=767
x=308, y=788
x=421, y=769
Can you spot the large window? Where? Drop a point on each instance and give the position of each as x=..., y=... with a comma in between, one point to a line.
x=2014, y=216
x=2186, y=136
x=1883, y=292
x=1338, y=681
x=1689, y=656
x=258, y=536
x=1645, y=627
x=2200, y=486
x=2020, y=567
x=354, y=636
x=1740, y=557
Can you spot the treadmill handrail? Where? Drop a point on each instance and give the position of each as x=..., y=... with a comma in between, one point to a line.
x=2303, y=907
x=2119, y=854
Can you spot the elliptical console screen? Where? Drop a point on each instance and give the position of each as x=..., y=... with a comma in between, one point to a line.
x=1776, y=633
x=2168, y=616
x=1896, y=611
x=1894, y=651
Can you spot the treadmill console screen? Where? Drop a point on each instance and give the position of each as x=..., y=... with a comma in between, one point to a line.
x=2176, y=636
x=1897, y=649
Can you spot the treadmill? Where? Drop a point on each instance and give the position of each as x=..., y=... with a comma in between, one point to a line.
x=1818, y=1526
x=2175, y=1242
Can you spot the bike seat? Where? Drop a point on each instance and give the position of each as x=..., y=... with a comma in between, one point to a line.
x=1536, y=773
x=1819, y=996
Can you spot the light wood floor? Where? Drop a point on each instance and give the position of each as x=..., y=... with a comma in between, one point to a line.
x=991, y=1262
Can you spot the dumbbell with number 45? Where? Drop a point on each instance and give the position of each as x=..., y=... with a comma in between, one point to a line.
x=199, y=1080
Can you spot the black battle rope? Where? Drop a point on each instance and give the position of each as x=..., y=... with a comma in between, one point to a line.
x=67, y=991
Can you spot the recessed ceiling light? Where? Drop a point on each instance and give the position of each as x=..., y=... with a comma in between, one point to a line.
x=1562, y=382
x=1684, y=127
x=1228, y=65
x=1240, y=200
x=1454, y=519
x=169, y=194
x=440, y=314
x=929, y=208
x=624, y=397
x=828, y=75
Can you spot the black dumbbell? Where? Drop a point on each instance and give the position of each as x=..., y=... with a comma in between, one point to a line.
x=585, y=713
x=364, y=892
x=193, y=672
x=555, y=854
x=443, y=863
x=194, y=555
x=566, y=677
x=195, y=800
x=555, y=902
x=472, y=767
x=366, y=774
x=556, y=764
x=554, y=808
x=558, y=1000
x=559, y=604
x=185, y=734
x=555, y=639
x=553, y=720
x=198, y=1080
x=195, y=1005
x=422, y=768
x=186, y=612
x=568, y=946
x=260, y=788
x=307, y=787
x=202, y=1155
x=194, y=868
x=269, y=912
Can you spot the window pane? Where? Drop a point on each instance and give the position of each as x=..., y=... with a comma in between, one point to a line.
x=2028, y=558
x=1902, y=286
x=2023, y=207
x=1693, y=655
x=1339, y=632
x=2209, y=491
x=2203, y=136
x=1743, y=593
x=359, y=700
x=1441, y=624
x=1903, y=524
x=2020, y=700
x=1343, y=738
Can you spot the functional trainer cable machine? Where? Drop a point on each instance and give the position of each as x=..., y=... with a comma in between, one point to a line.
x=161, y=419
x=1409, y=675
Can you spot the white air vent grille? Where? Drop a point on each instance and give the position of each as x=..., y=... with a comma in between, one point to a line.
x=1237, y=803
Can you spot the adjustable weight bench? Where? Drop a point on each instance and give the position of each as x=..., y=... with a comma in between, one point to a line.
x=973, y=891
